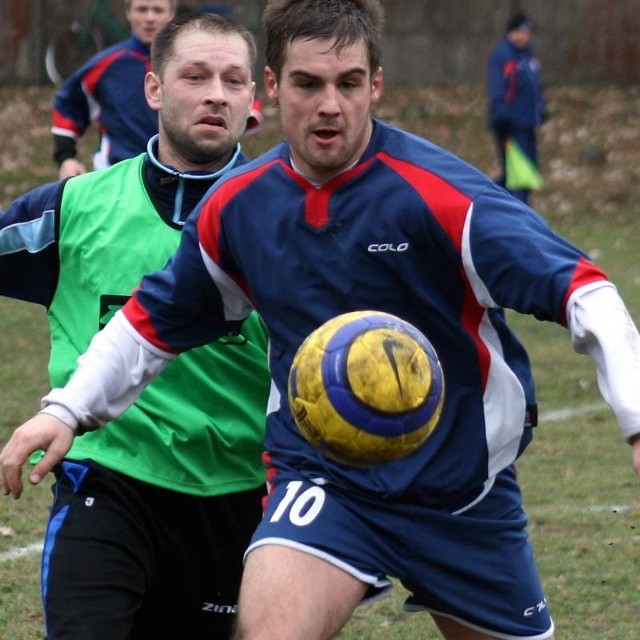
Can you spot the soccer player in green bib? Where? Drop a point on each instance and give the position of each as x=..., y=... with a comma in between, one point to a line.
x=152, y=514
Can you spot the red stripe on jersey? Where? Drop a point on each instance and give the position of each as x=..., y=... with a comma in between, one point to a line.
x=586, y=273
x=450, y=208
x=62, y=122
x=91, y=79
x=471, y=317
x=270, y=475
x=510, y=72
x=316, y=206
x=138, y=316
x=447, y=204
x=208, y=223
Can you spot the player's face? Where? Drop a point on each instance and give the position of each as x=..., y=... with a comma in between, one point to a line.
x=521, y=38
x=203, y=99
x=325, y=100
x=147, y=17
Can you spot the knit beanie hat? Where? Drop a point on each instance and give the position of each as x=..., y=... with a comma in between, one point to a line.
x=519, y=21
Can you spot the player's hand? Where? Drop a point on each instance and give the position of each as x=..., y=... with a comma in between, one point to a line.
x=635, y=443
x=71, y=167
x=43, y=431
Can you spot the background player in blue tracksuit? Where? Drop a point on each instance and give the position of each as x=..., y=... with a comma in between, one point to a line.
x=109, y=89
x=517, y=105
x=296, y=235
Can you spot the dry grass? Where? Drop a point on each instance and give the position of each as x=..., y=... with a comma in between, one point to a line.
x=581, y=495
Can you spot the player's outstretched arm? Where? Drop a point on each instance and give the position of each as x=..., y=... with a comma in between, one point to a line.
x=602, y=327
x=43, y=431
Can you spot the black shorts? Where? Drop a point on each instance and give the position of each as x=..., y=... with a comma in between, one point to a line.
x=127, y=560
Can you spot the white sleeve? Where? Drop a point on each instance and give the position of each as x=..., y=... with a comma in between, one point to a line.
x=601, y=327
x=111, y=374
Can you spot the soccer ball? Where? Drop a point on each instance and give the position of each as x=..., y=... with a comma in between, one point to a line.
x=366, y=388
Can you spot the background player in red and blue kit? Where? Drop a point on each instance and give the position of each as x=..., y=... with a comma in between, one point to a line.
x=109, y=89
x=299, y=235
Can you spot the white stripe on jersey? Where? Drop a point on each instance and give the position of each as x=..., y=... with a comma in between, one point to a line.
x=32, y=236
x=236, y=304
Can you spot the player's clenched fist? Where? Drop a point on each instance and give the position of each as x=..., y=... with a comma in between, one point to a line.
x=43, y=431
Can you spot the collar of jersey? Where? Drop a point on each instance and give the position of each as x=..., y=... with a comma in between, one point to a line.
x=152, y=146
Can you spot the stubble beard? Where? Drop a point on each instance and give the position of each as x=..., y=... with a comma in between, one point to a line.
x=202, y=153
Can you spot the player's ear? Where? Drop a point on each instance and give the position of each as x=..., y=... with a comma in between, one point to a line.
x=376, y=85
x=153, y=90
x=271, y=85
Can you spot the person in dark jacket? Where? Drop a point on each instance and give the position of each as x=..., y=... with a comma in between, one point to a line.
x=517, y=106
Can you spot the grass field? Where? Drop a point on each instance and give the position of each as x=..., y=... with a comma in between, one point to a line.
x=581, y=494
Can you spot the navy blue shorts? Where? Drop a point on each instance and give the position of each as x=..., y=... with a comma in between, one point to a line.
x=476, y=566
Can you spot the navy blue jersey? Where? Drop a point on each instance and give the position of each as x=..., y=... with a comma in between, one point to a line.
x=29, y=260
x=109, y=89
x=397, y=232
x=516, y=96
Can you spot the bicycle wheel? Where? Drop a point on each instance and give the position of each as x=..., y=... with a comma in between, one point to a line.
x=68, y=49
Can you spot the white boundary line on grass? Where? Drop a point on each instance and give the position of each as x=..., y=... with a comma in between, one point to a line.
x=557, y=416
x=19, y=552
x=566, y=414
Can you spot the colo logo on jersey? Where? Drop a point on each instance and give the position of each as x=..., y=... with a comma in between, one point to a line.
x=385, y=247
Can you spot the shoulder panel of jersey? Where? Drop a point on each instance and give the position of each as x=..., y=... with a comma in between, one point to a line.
x=29, y=223
x=28, y=253
x=235, y=182
x=438, y=176
x=105, y=59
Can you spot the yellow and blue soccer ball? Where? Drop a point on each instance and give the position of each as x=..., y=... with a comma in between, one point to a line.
x=366, y=388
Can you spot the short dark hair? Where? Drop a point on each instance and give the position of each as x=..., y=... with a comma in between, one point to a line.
x=345, y=20
x=162, y=47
